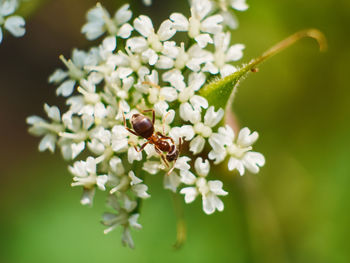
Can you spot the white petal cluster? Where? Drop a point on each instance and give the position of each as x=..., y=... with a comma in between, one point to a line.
x=99, y=22
x=209, y=190
x=138, y=67
x=9, y=20
x=125, y=217
x=225, y=9
x=224, y=143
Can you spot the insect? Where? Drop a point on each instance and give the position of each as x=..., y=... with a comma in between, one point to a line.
x=144, y=127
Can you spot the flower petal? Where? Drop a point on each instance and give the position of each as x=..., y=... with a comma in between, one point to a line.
x=143, y=25
x=202, y=167
x=48, y=142
x=253, y=160
x=212, y=118
x=234, y=163
x=197, y=144
x=166, y=30
x=15, y=24
x=66, y=88
x=180, y=22
x=190, y=194
x=87, y=197
x=246, y=139
x=171, y=181
x=123, y=14
x=187, y=177
x=216, y=187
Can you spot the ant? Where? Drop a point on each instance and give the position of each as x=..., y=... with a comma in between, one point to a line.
x=144, y=127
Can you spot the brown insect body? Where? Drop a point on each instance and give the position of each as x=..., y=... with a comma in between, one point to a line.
x=144, y=127
x=173, y=153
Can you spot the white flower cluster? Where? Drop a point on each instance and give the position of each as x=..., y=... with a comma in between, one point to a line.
x=12, y=23
x=146, y=70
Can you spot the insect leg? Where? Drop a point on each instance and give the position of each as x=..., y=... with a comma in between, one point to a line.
x=161, y=155
x=142, y=147
x=165, y=137
x=126, y=127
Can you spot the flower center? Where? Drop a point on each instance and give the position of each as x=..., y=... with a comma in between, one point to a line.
x=202, y=186
x=154, y=42
x=201, y=129
x=194, y=27
x=135, y=63
x=186, y=94
x=219, y=58
x=181, y=58
x=73, y=71
x=89, y=97
x=238, y=151
x=153, y=95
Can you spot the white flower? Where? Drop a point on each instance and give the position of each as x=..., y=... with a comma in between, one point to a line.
x=158, y=96
x=150, y=43
x=199, y=24
x=191, y=104
x=186, y=132
x=143, y=24
x=119, y=139
x=116, y=166
x=209, y=190
x=40, y=127
x=13, y=24
x=130, y=61
x=229, y=19
x=204, y=129
x=99, y=22
x=152, y=167
x=72, y=140
x=239, y=149
x=125, y=217
x=171, y=181
x=182, y=164
x=137, y=187
x=193, y=58
x=68, y=79
x=223, y=55
x=85, y=175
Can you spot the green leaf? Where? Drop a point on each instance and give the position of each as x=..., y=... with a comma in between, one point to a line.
x=220, y=93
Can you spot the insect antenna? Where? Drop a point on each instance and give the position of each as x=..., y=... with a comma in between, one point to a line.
x=163, y=121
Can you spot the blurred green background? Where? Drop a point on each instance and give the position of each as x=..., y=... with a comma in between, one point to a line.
x=296, y=210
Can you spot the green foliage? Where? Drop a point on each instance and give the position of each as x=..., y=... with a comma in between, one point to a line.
x=221, y=91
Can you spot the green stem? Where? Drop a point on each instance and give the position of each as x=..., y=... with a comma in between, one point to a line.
x=312, y=33
x=180, y=222
x=220, y=93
